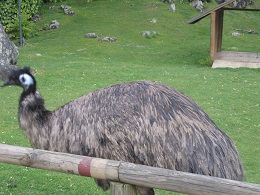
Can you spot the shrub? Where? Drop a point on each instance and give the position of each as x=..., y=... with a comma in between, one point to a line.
x=13, y=30
x=9, y=16
x=206, y=61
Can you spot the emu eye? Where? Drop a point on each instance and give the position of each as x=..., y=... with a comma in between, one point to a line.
x=22, y=79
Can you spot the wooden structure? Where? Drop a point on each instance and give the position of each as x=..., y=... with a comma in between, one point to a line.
x=127, y=173
x=222, y=58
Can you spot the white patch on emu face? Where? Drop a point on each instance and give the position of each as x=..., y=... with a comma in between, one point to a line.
x=26, y=80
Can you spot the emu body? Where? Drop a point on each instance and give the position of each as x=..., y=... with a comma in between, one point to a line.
x=141, y=122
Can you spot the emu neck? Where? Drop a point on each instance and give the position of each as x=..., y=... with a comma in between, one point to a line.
x=34, y=118
x=27, y=91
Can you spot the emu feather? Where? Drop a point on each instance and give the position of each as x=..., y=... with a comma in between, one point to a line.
x=141, y=122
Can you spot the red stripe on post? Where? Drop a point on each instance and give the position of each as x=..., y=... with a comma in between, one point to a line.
x=84, y=167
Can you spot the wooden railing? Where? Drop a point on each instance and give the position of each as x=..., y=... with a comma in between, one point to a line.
x=127, y=174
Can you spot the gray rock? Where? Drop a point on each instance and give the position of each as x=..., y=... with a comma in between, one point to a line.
x=235, y=34
x=172, y=7
x=36, y=18
x=67, y=10
x=168, y=1
x=198, y=4
x=154, y=20
x=238, y=3
x=149, y=34
x=8, y=50
x=91, y=35
x=54, y=24
x=107, y=39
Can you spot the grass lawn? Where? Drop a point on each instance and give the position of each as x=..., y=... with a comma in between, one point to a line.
x=69, y=65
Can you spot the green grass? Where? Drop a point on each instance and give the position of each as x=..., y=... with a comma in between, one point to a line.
x=70, y=65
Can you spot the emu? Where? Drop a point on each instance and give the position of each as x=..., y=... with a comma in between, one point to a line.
x=142, y=122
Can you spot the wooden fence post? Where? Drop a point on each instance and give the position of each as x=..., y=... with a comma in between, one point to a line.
x=117, y=188
x=216, y=30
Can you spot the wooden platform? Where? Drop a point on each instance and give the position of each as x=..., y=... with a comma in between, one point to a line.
x=223, y=59
x=226, y=59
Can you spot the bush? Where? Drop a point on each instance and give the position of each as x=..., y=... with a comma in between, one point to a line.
x=9, y=16
x=206, y=61
x=13, y=30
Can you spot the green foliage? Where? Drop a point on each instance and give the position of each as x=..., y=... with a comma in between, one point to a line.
x=10, y=20
x=207, y=61
x=28, y=28
x=9, y=10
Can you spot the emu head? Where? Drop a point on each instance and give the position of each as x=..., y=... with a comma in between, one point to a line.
x=22, y=78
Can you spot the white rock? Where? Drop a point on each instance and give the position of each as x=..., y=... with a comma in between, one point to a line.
x=172, y=7
x=235, y=34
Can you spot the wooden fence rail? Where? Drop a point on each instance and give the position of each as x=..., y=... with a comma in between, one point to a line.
x=124, y=172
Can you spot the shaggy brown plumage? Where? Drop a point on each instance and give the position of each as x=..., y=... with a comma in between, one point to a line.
x=141, y=122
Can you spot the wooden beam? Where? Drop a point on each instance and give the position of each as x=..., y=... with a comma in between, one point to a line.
x=216, y=30
x=214, y=9
x=220, y=23
x=60, y=162
x=177, y=181
x=129, y=173
x=117, y=188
